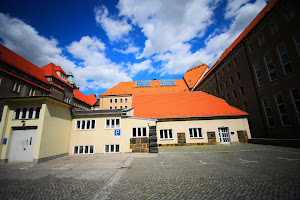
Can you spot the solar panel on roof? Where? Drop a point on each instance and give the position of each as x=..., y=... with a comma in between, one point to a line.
x=146, y=83
x=167, y=82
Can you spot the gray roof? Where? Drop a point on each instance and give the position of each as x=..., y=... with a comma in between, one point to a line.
x=97, y=112
x=196, y=64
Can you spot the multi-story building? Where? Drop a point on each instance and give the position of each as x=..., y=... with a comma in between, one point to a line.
x=120, y=96
x=21, y=78
x=260, y=72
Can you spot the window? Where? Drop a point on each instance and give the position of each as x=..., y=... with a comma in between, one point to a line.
x=195, y=133
x=27, y=113
x=85, y=124
x=238, y=76
x=225, y=84
x=231, y=80
x=245, y=107
x=116, y=107
x=228, y=97
x=268, y=112
x=228, y=67
x=282, y=111
x=110, y=108
x=0, y=80
x=220, y=86
x=125, y=100
x=261, y=40
x=251, y=48
x=297, y=42
x=242, y=91
x=285, y=61
x=222, y=71
x=139, y=132
x=17, y=87
x=121, y=107
x=291, y=15
x=275, y=28
x=125, y=107
x=110, y=101
x=112, y=148
x=258, y=74
x=112, y=123
x=166, y=134
x=234, y=62
x=116, y=100
x=296, y=98
x=31, y=92
x=121, y=100
x=270, y=67
x=85, y=149
x=234, y=93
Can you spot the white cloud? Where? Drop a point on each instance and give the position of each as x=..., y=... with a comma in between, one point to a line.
x=95, y=68
x=168, y=23
x=130, y=49
x=114, y=29
x=233, y=6
x=139, y=67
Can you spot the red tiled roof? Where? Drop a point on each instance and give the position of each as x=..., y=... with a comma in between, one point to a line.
x=91, y=99
x=21, y=63
x=50, y=70
x=255, y=21
x=124, y=88
x=192, y=76
x=181, y=105
x=58, y=68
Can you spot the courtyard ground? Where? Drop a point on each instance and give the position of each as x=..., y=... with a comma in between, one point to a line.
x=246, y=171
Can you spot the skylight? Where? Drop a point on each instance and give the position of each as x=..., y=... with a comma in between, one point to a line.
x=145, y=83
x=167, y=82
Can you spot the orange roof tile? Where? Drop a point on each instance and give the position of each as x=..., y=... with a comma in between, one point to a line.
x=91, y=99
x=254, y=22
x=21, y=63
x=58, y=68
x=50, y=70
x=124, y=88
x=181, y=105
x=192, y=76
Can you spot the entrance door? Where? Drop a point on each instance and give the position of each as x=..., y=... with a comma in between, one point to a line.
x=22, y=145
x=224, y=135
x=181, y=138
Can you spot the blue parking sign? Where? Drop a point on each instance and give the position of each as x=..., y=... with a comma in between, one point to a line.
x=117, y=132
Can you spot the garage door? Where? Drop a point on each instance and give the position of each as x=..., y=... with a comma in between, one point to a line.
x=22, y=144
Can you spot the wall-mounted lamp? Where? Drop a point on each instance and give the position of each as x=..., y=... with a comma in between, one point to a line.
x=23, y=121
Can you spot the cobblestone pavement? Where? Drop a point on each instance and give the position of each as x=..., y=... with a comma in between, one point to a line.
x=190, y=172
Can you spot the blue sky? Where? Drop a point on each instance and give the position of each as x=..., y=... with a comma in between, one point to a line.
x=104, y=42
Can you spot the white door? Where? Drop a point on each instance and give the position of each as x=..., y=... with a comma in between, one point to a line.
x=22, y=144
x=224, y=135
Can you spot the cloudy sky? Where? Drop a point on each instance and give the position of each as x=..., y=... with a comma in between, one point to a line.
x=104, y=42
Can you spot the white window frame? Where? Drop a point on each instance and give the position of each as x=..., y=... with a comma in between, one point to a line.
x=271, y=61
x=31, y=92
x=168, y=134
x=141, y=127
x=121, y=100
x=125, y=100
x=85, y=124
x=257, y=69
x=110, y=100
x=89, y=149
x=280, y=114
x=294, y=102
x=288, y=62
x=110, y=123
x=199, y=135
x=116, y=100
x=265, y=110
x=115, y=145
x=17, y=87
x=27, y=113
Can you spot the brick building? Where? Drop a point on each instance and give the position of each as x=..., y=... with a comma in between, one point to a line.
x=260, y=72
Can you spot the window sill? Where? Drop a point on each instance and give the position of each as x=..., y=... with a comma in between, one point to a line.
x=85, y=129
x=196, y=137
x=166, y=139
